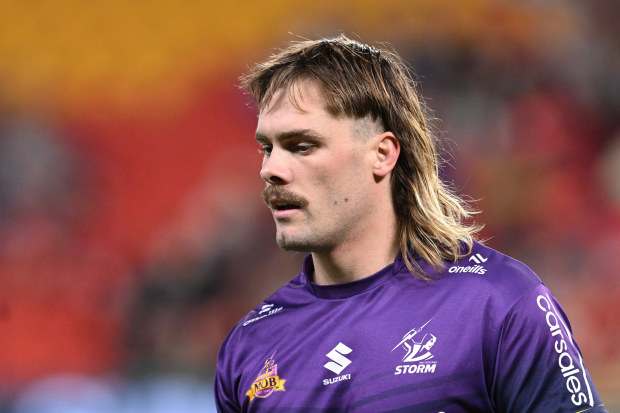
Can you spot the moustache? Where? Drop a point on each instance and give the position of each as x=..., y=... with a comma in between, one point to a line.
x=282, y=194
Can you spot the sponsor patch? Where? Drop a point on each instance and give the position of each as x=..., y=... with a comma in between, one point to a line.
x=338, y=363
x=267, y=381
x=571, y=368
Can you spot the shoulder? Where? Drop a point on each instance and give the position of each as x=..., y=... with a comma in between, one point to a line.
x=251, y=339
x=486, y=277
x=290, y=295
x=498, y=271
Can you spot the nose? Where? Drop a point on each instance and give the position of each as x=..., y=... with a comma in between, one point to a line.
x=274, y=170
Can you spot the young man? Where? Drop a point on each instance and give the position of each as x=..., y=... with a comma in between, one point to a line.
x=397, y=307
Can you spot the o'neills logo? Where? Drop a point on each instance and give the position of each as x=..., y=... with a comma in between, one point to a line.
x=572, y=371
x=266, y=311
x=478, y=259
x=267, y=381
x=474, y=269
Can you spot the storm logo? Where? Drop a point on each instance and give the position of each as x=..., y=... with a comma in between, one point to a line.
x=417, y=349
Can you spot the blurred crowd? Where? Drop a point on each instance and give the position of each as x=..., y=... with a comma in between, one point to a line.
x=132, y=231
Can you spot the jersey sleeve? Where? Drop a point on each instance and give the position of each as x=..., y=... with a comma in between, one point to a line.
x=539, y=367
x=225, y=381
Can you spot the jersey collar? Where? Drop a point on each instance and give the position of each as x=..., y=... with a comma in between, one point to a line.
x=348, y=289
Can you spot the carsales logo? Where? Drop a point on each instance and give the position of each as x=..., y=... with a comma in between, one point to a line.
x=574, y=373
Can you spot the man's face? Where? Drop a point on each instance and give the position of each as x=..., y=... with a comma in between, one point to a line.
x=318, y=171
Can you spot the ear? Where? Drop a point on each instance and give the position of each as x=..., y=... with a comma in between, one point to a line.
x=387, y=150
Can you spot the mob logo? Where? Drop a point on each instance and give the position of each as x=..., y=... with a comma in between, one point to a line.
x=339, y=362
x=267, y=381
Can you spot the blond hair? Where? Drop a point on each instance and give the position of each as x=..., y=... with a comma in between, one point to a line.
x=358, y=81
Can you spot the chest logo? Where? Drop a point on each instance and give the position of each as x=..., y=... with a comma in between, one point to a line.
x=417, y=350
x=338, y=361
x=267, y=381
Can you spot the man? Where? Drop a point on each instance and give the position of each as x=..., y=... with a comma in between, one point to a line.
x=397, y=307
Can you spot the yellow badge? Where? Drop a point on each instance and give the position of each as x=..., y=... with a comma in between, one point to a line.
x=267, y=381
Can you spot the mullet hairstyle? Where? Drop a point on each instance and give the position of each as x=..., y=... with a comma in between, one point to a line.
x=357, y=81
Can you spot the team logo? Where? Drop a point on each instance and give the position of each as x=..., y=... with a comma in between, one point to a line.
x=267, y=381
x=417, y=350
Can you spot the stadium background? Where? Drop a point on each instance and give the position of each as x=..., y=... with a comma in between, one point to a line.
x=132, y=233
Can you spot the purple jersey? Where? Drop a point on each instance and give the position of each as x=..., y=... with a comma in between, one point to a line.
x=486, y=336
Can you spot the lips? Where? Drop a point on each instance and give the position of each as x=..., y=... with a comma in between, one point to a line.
x=282, y=202
x=282, y=205
x=282, y=209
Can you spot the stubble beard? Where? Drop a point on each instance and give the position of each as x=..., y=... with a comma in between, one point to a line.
x=295, y=242
x=308, y=239
x=288, y=244
x=302, y=245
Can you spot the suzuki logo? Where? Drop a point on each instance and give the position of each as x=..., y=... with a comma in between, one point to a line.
x=339, y=362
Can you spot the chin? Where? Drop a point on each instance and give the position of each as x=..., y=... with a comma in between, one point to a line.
x=293, y=245
x=293, y=242
x=301, y=244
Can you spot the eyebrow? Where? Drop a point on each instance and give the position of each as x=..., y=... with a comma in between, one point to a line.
x=309, y=133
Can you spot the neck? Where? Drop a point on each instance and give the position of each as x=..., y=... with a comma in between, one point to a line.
x=360, y=257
